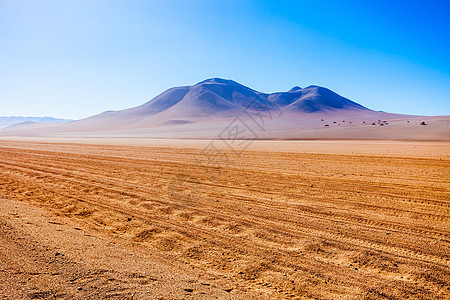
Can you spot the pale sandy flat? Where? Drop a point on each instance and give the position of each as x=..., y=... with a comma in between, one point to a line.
x=438, y=149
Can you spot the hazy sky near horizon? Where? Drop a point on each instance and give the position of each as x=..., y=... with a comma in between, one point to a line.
x=73, y=59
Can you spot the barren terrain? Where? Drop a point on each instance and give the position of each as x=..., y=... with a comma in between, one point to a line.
x=321, y=220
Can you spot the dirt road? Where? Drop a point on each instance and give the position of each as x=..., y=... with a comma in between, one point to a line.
x=148, y=222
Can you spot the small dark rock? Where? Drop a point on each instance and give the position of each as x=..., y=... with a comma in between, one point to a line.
x=423, y=123
x=189, y=290
x=228, y=290
x=79, y=288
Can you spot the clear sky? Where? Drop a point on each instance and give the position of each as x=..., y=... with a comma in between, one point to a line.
x=77, y=58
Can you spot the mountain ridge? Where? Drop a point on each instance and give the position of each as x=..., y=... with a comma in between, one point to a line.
x=219, y=98
x=6, y=121
x=217, y=95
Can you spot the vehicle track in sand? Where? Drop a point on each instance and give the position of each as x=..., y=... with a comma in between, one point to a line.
x=289, y=225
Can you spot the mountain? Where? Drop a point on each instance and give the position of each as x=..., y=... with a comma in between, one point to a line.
x=216, y=98
x=221, y=97
x=8, y=121
x=206, y=109
x=312, y=99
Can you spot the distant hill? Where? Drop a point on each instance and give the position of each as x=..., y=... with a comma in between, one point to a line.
x=206, y=109
x=214, y=99
x=8, y=121
x=221, y=97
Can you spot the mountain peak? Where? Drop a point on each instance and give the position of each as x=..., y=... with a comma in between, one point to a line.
x=295, y=89
x=218, y=81
x=314, y=87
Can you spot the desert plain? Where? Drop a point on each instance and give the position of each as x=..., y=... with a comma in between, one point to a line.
x=183, y=219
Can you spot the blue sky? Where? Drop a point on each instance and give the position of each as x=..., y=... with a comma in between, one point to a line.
x=73, y=59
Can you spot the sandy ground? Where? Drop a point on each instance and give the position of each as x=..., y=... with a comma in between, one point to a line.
x=175, y=220
x=45, y=256
x=423, y=149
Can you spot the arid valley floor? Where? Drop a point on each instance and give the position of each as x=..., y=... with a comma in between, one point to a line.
x=293, y=220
